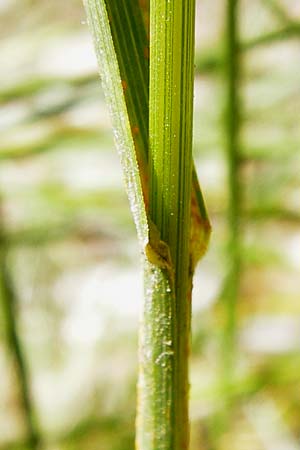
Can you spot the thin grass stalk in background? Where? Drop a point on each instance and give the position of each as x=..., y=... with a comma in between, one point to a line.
x=14, y=345
x=230, y=291
x=232, y=127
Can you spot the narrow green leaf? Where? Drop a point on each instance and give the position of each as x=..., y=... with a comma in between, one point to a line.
x=132, y=52
x=99, y=22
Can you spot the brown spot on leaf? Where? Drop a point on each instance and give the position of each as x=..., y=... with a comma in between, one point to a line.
x=124, y=85
x=135, y=130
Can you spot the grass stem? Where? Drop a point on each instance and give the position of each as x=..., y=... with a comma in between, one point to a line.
x=10, y=313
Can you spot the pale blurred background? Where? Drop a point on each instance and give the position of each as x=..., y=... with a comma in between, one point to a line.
x=71, y=284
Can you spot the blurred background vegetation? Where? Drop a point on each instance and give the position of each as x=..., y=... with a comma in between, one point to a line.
x=70, y=279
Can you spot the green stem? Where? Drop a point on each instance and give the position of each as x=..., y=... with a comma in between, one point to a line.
x=170, y=161
x=9, y=307
x=229, y=295
x=232, y=131
x=156, y=402
x=161, y=164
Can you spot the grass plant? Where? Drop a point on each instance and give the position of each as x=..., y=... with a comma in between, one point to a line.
x=163, y=190
x=261, y=166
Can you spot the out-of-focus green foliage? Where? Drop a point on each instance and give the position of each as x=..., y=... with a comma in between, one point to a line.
x=70, y=239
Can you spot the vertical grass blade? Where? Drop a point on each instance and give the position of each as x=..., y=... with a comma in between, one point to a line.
x=99, y=22
x=9, y=309
x=232, y=132
x=131, y=45
x=230, y=291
